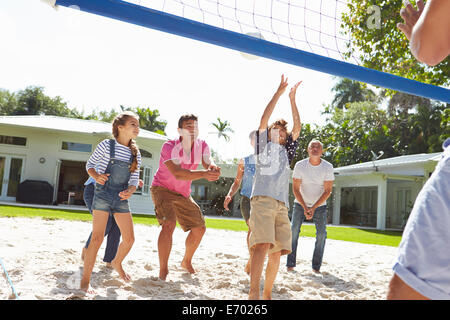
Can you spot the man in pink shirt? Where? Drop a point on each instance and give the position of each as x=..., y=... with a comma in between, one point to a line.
x=171, y=189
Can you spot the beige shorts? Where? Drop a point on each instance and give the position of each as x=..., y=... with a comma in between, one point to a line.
x=270, y=223
x=172, y=206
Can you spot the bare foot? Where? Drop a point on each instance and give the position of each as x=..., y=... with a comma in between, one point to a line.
x=290, y=268
x=83, y=253
x=188, y=266
x=109, y=265
x=118, y=267
x=86, y=287
x=163, y=274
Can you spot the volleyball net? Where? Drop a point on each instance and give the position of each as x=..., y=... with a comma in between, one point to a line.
x=304, y=33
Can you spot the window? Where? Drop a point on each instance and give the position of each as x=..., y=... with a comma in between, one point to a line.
x=76, y=146
x=199, y=192
x=145, y=153
x=145, y=175
x=17, y=141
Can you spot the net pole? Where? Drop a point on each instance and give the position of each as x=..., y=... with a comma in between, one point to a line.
x=154, y=19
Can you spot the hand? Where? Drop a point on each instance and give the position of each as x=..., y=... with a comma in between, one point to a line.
x=101, y=178
x=293, y=91
x=211, y=175
x=126, y=194
x=226, y=202
x=214, y=168
x=141, y=183
x=410, y=17
x=283, y=85
x=309, y=213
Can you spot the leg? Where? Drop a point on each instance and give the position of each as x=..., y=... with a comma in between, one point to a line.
x=298, y=217
x=257, y=264
x=112, y=242
x=320, y=220
x=399, y=290
x=98, y=230
x=88, y=197
x=192, y=242
x=125, y=223
x=164, y=247
x=249, y=262
x=273, y=265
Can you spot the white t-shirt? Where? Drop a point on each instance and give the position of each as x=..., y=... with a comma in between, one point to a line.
x=313, y=178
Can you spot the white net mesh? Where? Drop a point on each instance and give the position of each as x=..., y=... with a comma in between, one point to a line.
x=310, y=25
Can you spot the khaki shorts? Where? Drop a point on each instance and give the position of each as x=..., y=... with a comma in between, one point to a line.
x=172, y=206
x=270, y=223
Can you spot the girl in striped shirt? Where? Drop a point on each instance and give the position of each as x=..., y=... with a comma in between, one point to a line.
x=114, y=166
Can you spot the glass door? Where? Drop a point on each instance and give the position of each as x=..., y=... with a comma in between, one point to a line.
x=11, y=171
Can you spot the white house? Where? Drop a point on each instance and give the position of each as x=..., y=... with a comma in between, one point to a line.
x=55, y=149
x=380, y=193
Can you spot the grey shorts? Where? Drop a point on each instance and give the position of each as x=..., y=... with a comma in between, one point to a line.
x=106, y=199
x=245, y=207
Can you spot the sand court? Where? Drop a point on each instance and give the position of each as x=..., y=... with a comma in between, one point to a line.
x=42, y=258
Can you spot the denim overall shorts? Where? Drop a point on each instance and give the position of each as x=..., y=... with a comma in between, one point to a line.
x=106, y=197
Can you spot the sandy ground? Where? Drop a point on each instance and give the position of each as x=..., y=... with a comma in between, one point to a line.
x=42, y=258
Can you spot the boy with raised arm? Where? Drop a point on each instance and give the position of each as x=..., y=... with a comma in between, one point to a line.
x=269, y=221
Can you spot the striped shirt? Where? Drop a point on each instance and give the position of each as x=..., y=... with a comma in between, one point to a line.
x=100, y=158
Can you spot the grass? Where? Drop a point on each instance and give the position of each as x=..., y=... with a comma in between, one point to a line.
x=367, y=236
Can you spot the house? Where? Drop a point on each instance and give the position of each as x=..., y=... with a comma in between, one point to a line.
x=55, y=150
x=380, y=193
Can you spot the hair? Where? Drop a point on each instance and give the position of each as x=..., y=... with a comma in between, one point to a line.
x=313, y=141
x=186, y=117
x=279, y=123
x=121, y=120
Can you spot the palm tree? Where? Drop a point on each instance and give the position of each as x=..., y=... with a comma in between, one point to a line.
x=347, y=90
x=222, y=127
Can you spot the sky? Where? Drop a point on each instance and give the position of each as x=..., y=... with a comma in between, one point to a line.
x=96, y=63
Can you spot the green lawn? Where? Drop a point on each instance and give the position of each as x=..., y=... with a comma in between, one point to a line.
x=386, y=238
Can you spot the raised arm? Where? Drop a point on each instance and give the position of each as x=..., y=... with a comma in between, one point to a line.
x=271, y=106
x=295, y=115
x=428, y=29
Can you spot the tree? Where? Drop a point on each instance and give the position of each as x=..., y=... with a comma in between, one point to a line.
x=222, y=128
x=402, y=102
x=148, y=120
x=347, y=91
x=8, y=102
x=350, y=135
x=386, y=48
x=307, y=134
x=105, y=116
x=33, y=101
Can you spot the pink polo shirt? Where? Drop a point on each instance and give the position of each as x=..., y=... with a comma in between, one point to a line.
x=172, y=150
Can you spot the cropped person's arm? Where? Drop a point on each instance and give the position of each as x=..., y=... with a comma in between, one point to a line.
x=428, y=29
